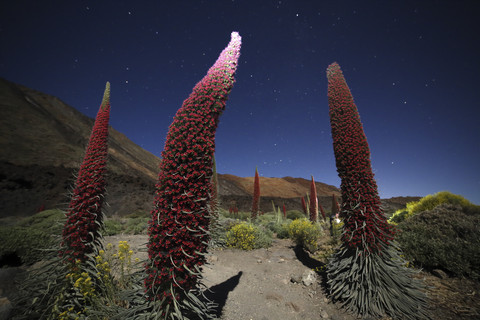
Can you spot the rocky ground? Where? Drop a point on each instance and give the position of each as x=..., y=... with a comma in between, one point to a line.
x=279, y=283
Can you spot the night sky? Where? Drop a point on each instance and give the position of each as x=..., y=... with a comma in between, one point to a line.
x=413, y=68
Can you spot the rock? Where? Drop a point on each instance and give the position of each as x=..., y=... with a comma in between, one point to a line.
x=296, y=278
x=309, y=277
x=213, y=258
x=259, y=261
x=5, y=308
x=439, y=274
x=324, y=314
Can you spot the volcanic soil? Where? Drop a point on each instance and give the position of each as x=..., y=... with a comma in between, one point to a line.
x=266, y=284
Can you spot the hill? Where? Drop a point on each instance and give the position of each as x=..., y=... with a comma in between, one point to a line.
x=42, y=143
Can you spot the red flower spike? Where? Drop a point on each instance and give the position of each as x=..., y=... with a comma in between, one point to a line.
x=361, y=202
x=256, y=195
x=313, y=202
x=322, y=212
x=304, y=206
x=180, y=219
x=84, y=216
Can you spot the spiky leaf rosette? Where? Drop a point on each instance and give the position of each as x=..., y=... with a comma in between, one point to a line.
x=178, y=229
x=81, y=233
x=256, y=195
x=313, y=202
x=367, y=273
x=216, y=234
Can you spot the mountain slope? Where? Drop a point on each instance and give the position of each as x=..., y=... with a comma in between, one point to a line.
x=42, y=143
x=40, y=129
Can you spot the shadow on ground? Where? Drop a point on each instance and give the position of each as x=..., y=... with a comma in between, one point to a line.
x=219, y=293
x=311, y=263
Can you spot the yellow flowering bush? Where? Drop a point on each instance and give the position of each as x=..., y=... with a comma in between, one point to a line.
x=82, y=287
x=429, y=202
x=241, y=236
x=305, y=233
x=115, y=265
x=99, y=286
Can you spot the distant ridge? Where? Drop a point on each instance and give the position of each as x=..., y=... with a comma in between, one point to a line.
x=286, y=187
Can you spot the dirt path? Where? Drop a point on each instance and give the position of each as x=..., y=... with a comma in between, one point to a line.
x=258, y=284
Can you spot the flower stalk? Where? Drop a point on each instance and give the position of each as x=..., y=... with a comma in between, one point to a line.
x=256, y=195
x=179, y=227
x=81, y=233
x=313, y=202
x=367, y=273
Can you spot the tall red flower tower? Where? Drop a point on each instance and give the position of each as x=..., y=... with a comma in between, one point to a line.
x=179, y=225
x=81, y=233
x=367, y=273
x=256, y=195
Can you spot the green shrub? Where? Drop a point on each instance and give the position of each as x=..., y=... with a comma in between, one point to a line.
x=265, y=219
x=52, y=219
x=30, y=236
x=138, y=214
x=218, y=233
x=280, y=229
x=241, y=215
x=305, y=233
x=443, y=238
x=430, y=202
x=137, y=225
x=295, y=214
x=112, y=227
x=248, y=236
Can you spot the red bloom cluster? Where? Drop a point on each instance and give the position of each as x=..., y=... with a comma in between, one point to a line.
x=313, y=202
x=365, y=225
x=256, y=195
x=84, y=216
x=284, y=212
x=180, y=219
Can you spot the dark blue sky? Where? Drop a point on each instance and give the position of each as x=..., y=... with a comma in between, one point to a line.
x=413, y=68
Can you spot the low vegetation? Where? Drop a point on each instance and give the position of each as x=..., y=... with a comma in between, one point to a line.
x=248, y=236
x=430, y=202
x=28, y=237
x=305, y=233
x=135, y=223
x=445, y=237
